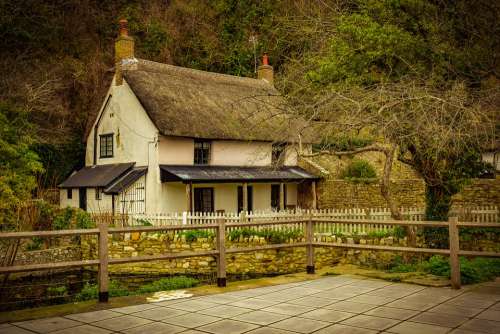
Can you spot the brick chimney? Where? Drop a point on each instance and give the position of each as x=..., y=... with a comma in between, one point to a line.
x=265, y=71
x=124, y=50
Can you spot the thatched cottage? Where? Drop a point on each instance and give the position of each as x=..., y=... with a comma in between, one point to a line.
x=172, y=139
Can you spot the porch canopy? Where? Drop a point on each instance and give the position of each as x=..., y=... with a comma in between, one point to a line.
x=230, y=174
x=113, y=178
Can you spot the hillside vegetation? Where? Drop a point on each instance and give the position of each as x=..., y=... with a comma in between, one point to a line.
x=56, y=58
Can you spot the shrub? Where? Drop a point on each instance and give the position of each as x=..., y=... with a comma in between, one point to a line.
x=36, y=244
x=62, y=220
x=399, y=232
x=91, y=291
x=193, y=235
x=143, y=222
x=57, y=291
x=84, y=220
x=359, y=170
x=169, y=283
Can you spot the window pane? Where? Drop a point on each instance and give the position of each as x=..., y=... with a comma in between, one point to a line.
x=106, y=145
x=201, y=152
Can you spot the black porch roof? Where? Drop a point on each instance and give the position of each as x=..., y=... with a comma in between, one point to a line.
x=96, y=176
x=126, y=180
x=208, y=174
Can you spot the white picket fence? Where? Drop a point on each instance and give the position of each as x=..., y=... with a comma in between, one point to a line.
x=477, y=214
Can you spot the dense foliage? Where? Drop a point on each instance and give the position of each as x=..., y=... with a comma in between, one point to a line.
x=19, y=164
x=419, y=74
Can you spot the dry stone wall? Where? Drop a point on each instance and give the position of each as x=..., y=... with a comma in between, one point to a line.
x=263, y=262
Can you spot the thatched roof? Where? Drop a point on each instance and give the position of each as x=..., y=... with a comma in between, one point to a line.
x=192, y=103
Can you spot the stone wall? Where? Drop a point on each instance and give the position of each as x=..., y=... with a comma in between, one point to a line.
x=264, y=262
x=333, y=193
x=481, y=192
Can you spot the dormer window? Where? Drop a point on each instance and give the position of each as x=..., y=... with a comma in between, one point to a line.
x=202, y=152
x=106, y=145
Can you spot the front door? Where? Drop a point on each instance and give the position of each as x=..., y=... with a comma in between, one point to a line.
x=249, y=198
x=204, y=199
x=83, y=198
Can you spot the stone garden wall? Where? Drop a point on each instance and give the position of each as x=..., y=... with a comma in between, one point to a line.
x=264, y=262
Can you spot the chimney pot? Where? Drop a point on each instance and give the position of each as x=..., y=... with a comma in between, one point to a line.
x=265, y=59
x=265, y=71
x=123, y=27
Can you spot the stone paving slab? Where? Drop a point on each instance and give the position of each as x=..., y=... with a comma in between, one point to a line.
x=329, y=305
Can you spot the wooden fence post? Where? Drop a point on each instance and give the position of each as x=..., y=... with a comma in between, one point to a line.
x=103, y=262
x=309, y=247
x=221, y=258
x=454, y=249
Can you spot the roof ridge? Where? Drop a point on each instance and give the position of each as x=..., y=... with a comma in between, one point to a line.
x=160, y=67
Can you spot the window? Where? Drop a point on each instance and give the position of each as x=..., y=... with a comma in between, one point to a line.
x=201, y=152
x=106, y=145
x=69, y=193
x=249, y=198
x=98, y=194
x=278, y=154
x=204, y=199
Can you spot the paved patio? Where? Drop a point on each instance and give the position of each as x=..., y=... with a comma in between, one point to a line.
x=337, y=304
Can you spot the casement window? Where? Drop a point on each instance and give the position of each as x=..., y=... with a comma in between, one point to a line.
x=204, y=199
x=249, y=198
x=69, y=193
x=106, y=145
x=98, y=194
x=278, y=154
x=202, y=152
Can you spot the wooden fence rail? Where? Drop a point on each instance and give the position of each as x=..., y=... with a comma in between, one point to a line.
x=221, y=226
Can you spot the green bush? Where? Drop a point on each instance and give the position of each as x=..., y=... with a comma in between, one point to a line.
x=36, y=244
x=57, y=291
x=84, y=220
x=169, y=283
x=359, y=170
x=143, y=222
x=399, y=232
x=62, y=220
x=193, y=235
x=91, y=291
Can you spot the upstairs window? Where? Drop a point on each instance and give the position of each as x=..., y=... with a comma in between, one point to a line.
x=278, y=154
x=106, y=146
x=202, y=152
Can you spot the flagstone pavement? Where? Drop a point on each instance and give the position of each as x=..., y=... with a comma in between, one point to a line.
x=333, y=304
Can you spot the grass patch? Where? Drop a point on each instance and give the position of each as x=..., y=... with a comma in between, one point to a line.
x=471, y=271
x=171, y=283
x=116, y=289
